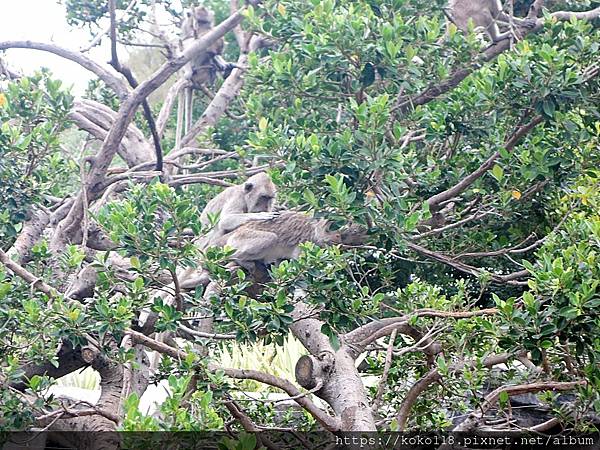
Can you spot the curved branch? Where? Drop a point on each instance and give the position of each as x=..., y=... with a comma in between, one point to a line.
x=580, y=15
x=364, y=335
x=434, y=376
x=328, y=422
x=111, y=80
x=471, y=422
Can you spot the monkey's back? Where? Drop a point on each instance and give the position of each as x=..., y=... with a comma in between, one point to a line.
x=291, y=228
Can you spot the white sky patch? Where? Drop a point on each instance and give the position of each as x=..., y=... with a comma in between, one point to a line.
x=45, y=21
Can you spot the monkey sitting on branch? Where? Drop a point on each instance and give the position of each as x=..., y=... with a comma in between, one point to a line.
x=252, y=200
x=486, y=16
x=202, y=70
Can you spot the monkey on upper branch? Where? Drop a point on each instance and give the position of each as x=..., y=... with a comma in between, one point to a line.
x=202, y=69
x=486, y=15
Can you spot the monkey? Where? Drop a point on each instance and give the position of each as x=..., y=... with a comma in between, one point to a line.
x=277, y=239
x=202, y=69
x=236, y=205
x=250, y=201
x=485, y=15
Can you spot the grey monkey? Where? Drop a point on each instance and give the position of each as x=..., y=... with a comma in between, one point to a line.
x=202, y=68
x=236, y=205
x=269, y=241
x=486, y=14
x=252, y=200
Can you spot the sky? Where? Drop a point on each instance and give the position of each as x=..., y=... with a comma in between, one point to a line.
x=44, y=20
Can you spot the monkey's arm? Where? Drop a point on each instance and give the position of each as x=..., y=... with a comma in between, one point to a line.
x=225, y=66
x=230, y=221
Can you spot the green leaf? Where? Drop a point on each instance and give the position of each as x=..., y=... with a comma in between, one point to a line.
x=497, y=172
x=569, y=312
x=262, y=124
x=135, y=262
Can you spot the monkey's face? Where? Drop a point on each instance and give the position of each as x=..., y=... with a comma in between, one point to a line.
x=203, y=16
x=353, y=235
x=259, y=192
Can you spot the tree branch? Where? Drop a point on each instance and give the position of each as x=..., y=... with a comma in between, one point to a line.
x=364, y=335
x=467, y=181
x=112, y=6
x=471, y=422
x=112, y=81
x=30, y=278
x=581, y=15
x=471, y=270
x=434, y=376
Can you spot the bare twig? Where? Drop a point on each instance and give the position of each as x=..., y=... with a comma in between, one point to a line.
x=112, y=5
x=386, y=369
x=30, y=278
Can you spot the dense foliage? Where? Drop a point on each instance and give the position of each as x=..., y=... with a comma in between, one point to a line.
x=476, y=177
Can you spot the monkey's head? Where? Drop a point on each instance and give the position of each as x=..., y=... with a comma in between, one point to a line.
x=350, y=234
x=353, y=234
x=259, y=193
x=203, y=16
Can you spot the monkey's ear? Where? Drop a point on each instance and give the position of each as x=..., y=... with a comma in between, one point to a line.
x=248, y=187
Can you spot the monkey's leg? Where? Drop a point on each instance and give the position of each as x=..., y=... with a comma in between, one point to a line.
x=225, y=66
x=189, y=108
x=180, y=118
x=252, y=245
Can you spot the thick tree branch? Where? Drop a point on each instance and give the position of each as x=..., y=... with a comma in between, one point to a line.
x=579, y=15
x=31, y=232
